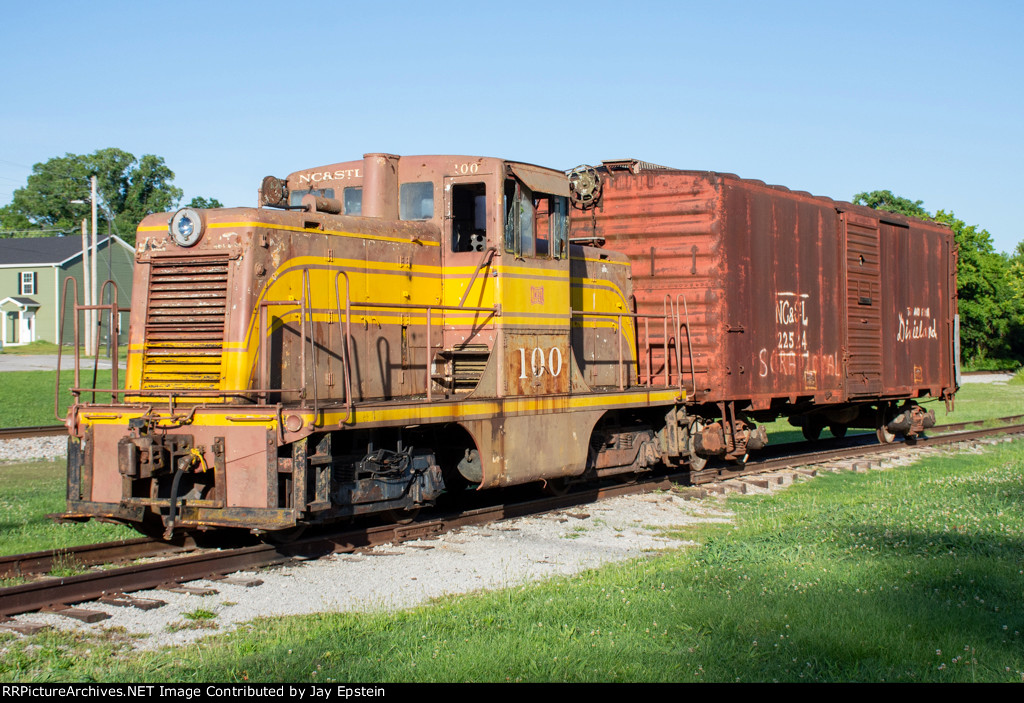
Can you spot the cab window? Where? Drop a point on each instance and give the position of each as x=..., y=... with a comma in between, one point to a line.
x=469, y=217
x=536, y=224
x=295, y=196
x=416, y=201
x=353, y=199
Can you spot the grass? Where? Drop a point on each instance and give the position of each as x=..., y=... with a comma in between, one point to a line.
x=30, y=491
x=30, y=349
x=912, y=574
x=26, y=397
x=974, y=401
x=40, y=347
x=991, y=365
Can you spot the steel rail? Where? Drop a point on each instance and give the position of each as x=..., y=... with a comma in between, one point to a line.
x=33, y=563
x=811, y=458
x=63, y=592
x=37, y=431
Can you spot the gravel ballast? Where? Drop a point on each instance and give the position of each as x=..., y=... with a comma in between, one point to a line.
x=393, y=577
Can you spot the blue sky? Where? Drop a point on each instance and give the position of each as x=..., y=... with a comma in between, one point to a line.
x=921, y=98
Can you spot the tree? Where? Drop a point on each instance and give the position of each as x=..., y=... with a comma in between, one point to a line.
x=990, y=307
x=991, y=303
x=885, y=200
x=128, y=188
x=202, y=203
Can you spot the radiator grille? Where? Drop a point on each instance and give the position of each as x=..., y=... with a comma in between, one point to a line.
x=185, y=324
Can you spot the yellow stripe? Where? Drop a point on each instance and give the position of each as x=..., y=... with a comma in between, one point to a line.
x=440, y=411
x=509, y=406
x=602, y=261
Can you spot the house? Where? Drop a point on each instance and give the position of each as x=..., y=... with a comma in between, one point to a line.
x=32, y=275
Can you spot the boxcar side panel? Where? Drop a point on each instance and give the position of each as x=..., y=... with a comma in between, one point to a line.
x=783, y=325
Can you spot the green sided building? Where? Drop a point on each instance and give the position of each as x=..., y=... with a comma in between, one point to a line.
x=32, y=275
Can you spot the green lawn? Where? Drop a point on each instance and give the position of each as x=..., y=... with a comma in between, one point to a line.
x=31, y=491
x=974, y=401
x=26, y=397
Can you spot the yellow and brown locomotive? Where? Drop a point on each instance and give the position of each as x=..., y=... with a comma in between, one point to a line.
x=374, y=331
x=379, y=331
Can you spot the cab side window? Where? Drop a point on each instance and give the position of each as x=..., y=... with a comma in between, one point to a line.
x=469, y=217
x=416, y=201
x=536, y=224
x=353, y=200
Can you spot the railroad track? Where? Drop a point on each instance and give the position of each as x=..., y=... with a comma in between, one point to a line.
x=35, y=563
x=112, y=585
x=57, y=430
x=27, y=432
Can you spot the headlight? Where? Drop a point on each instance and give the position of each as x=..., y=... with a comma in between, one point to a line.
x=186, y=227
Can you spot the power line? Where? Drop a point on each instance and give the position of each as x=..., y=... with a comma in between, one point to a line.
x=12, y=163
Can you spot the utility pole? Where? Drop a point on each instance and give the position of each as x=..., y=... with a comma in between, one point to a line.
x=95, y=292
x=86, y=288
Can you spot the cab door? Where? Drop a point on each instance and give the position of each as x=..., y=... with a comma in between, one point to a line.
x=469, y=246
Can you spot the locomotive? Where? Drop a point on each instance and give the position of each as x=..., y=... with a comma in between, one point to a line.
x=377, y=332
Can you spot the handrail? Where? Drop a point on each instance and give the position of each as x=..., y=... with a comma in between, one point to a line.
x=112, y=334
x=307, y=313
x=307, y=299
x=689, y=344
x=60, y=344
x=112, y=309
x=486, y=258
x=667, y=308
x=635, y=316
x=345, y=361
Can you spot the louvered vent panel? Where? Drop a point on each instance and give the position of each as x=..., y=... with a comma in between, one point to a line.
x=185, y=324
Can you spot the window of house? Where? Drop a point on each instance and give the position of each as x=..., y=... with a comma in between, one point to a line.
x=27, y=283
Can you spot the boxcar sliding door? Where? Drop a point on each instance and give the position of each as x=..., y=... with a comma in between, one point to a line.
x=863, y=306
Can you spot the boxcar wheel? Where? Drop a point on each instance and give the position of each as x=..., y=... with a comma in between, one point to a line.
x=837, y=430
x=697, y=462
x=885, y=436
x=811, y=432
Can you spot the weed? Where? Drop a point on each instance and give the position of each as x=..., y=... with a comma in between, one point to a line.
x=200, y=614
x=65, y=565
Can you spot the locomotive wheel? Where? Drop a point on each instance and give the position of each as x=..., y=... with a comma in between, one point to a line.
x=811, y=432
x=837, y=430
x=556, y=487
x=400, y=516
x=288, y=536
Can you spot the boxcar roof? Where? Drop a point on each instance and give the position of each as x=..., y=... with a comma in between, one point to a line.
x=637, y=166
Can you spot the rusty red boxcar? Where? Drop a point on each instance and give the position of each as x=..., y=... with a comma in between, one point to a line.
x=782, y=303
